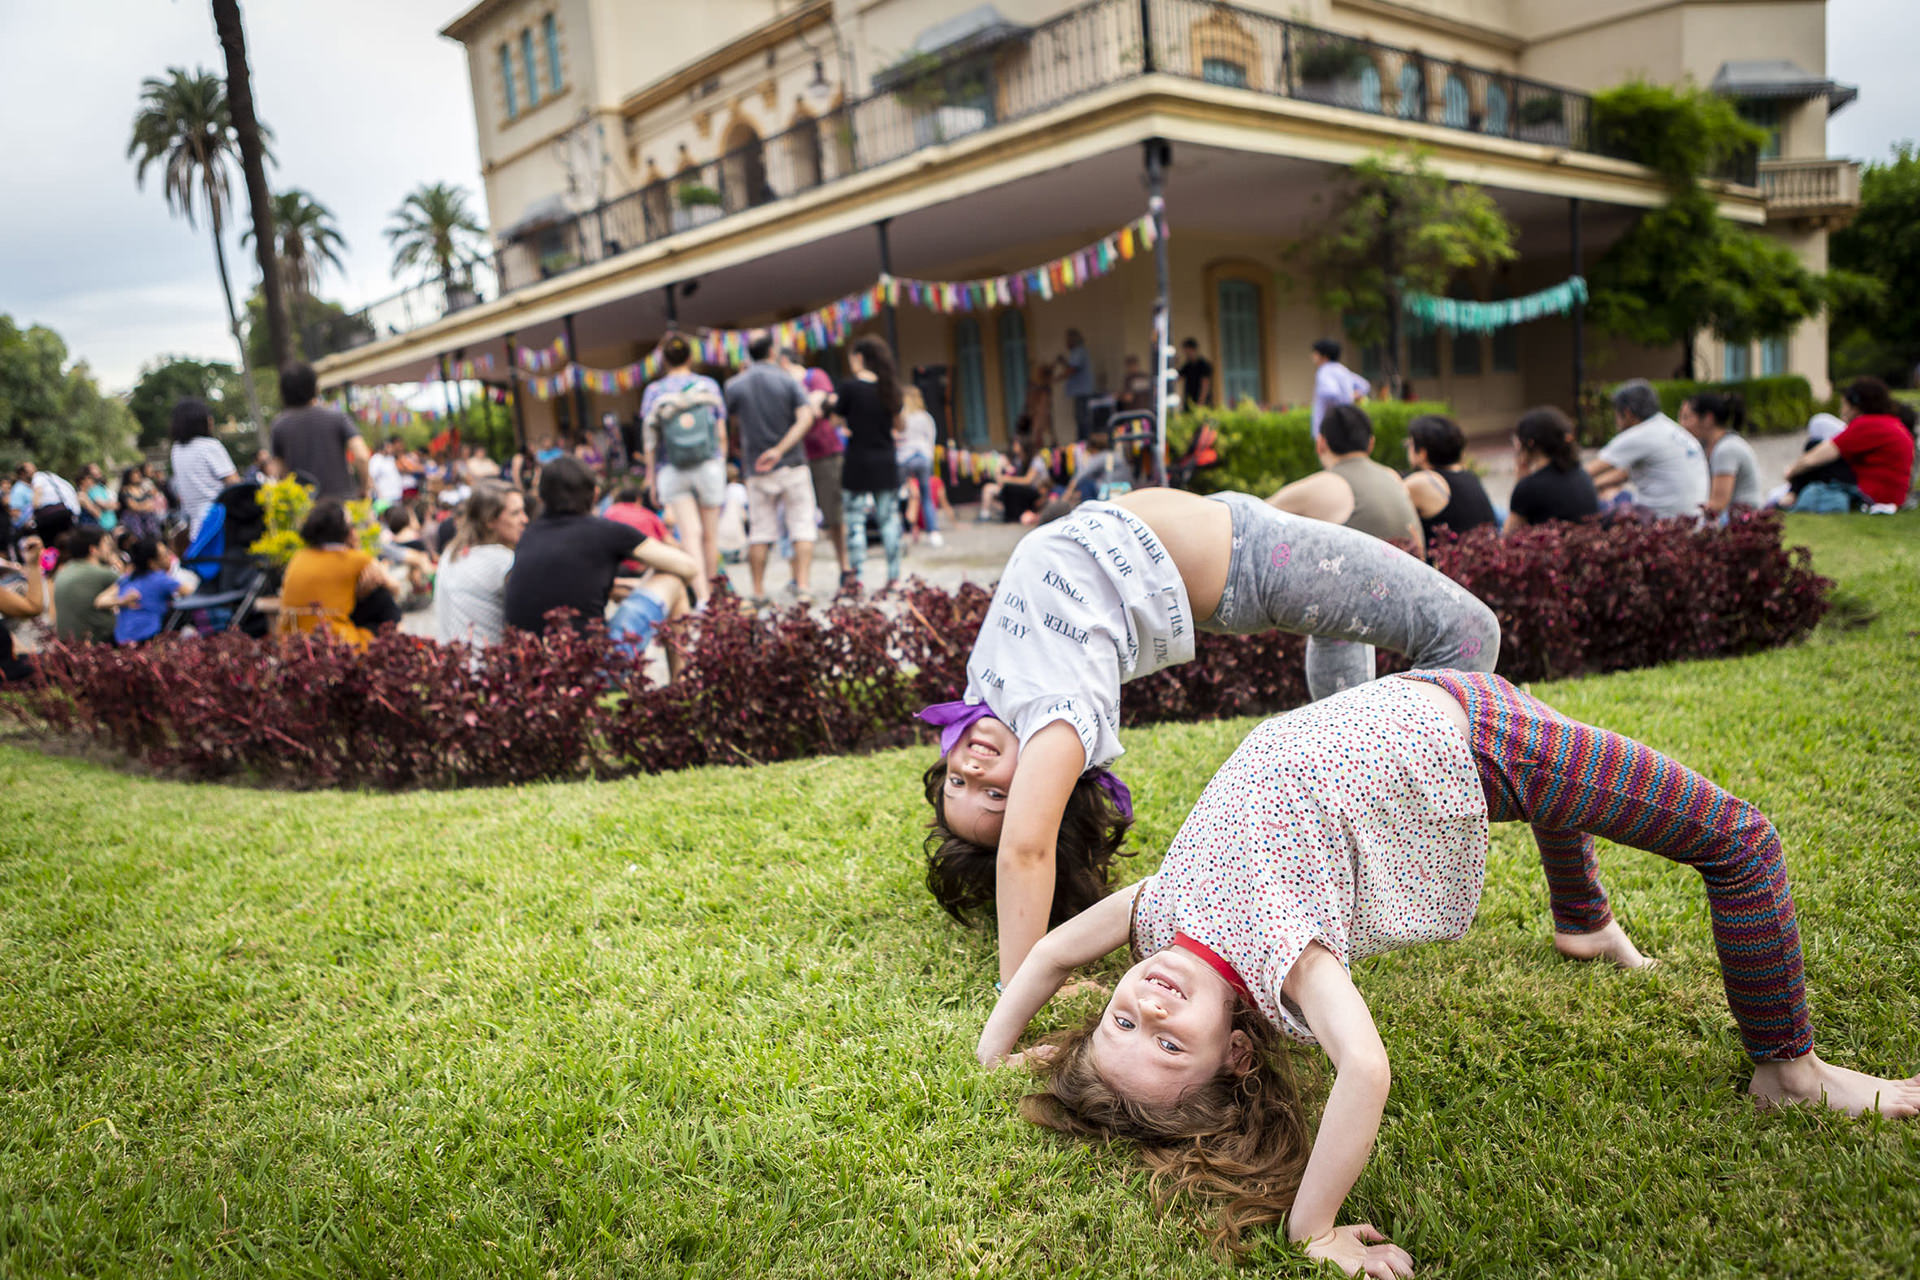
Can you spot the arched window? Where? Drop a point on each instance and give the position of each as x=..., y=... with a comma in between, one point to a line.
x=1456, y=106
x=551, y=30
x=1241, y=354
x=1369, y=87
x=526, y=61
x=1012, y=328
x=1496, y=118
x=506, y=76
x=1223, y=71
x=969, y=383
x=1413, y=92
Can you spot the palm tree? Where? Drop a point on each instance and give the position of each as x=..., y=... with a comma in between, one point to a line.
x=309, y=241
x=435, y=233
x=183, y=126
x=252, y=137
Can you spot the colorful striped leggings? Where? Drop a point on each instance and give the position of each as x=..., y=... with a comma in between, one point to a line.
x=1572, y=782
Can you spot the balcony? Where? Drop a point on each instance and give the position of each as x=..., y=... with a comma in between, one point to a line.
x=1017, y=72
x=1816, y=191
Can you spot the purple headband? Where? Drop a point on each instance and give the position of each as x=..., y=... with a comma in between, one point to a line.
x=953, y=719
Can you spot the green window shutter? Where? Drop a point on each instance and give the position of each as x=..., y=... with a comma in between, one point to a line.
x=970, y=383
x=506, y=76
x=1240, y=354
x=1013, y=365
x=551, y=30
x=526, y=62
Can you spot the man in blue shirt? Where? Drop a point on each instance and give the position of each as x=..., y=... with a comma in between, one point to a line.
x=1333, y=382
x=1077, y=366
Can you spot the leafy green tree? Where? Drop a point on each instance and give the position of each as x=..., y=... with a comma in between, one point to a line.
x=310, y=242
x=433, y=232
x=251, y=137
x=183, y=126
x=168, y=380
x=1875, y=260
x=1399, y=226
x=320, y=327
x=1682, y=269
x=54, y=413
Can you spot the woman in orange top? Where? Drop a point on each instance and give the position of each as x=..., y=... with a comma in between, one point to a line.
x=330, y=578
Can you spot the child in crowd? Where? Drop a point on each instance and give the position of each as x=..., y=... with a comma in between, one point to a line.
x=403, y=545
x=1025, y=814
x=1348, y=828
x=145, y=595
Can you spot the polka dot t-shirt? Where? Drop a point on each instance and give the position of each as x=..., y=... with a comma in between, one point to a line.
x=1357, y=822
x=1085, y=604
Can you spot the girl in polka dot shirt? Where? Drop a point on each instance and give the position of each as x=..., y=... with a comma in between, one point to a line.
x=1026, y=816
x=1355, y=826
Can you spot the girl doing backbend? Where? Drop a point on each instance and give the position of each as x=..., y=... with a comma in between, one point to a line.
x=1025, y=815
x=1355, y=826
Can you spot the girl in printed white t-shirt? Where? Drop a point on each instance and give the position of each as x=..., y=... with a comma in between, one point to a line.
x=1026, y=815
x=1353, y=827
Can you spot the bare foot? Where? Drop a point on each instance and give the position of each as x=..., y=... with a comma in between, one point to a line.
x=1809, y=1080
x=1609, y=943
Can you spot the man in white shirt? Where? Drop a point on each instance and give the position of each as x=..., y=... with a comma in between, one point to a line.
x=1653, y=460
x=1333, y=382
x=383, y=473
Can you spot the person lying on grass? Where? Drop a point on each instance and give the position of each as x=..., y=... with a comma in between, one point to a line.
x=1025, y=814
x=1355, y=826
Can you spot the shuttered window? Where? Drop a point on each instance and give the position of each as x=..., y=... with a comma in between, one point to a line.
x=1013, y=365
x=1240, y=354
x=970, y=383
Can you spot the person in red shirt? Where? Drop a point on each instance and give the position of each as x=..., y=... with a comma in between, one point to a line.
x=1876, y=444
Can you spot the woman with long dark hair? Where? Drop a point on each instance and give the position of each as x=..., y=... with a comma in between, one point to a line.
x=869, y=403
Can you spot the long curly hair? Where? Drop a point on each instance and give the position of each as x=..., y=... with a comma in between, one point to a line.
x=1240, y=1140
x=961, y=874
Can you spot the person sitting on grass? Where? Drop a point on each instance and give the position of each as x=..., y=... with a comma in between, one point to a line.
x=470, y=596
x=89, y=570
x=1345, y=829
x=26, y=600
x=1445, y=495
x=403, y=545
x=1025, y=814
x=1552, y=484
x=1877, y=445
x=144, y=596
x=1352, y=489
x=332, y=584
x=1016, y=493
x=1715, y=419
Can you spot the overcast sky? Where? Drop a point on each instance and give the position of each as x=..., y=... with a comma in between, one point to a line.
x=367, y=101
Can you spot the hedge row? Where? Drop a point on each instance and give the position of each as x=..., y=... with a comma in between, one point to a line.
x=1775, y=406
x=410, y=713
x=1262, y=449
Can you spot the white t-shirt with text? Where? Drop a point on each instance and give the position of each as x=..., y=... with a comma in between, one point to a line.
x=1084, y=605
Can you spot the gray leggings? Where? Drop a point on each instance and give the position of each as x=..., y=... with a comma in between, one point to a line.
x=1345, y=591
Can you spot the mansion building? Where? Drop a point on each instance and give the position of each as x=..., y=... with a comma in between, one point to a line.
x=734, y=163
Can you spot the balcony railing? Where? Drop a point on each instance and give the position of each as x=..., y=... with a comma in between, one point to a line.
x=1810, y=188
x=936, y=101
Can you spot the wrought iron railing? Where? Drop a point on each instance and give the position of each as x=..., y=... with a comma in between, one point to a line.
x=933, y=101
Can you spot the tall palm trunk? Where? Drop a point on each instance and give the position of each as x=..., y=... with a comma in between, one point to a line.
x=246, y=128
x=233, y=322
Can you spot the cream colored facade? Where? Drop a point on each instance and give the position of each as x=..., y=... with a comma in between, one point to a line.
x=739, y=153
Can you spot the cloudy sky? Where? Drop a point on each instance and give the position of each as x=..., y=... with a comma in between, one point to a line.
x=367, y=101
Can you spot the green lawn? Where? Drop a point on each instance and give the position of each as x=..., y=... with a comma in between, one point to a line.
x=711, y=1023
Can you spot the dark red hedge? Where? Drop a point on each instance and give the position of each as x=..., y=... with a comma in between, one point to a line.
x=407, y=713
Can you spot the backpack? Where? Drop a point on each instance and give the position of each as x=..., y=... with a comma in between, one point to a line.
x=686, y=431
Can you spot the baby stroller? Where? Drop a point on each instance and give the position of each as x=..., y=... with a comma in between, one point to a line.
x=231, y=578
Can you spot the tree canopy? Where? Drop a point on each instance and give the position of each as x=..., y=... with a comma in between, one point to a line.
x=54, y=413
x=1682, y=268
x=1399, y=226
x=168, y=380
x=1876, y=259
x=434, y=232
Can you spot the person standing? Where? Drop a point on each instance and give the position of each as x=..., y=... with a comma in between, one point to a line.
x=96, y=500
x=1352, y=489
x=683, y=449
x=1652, y=463
x=201, y=465
x=869, y=403
x=826, y=456
x=1445, y=495
x=1196, y=375
x=914, y=445
x=1333, y=383
x=384, y=480
x=773, y=415
x=1076, y=366
x=317, y=442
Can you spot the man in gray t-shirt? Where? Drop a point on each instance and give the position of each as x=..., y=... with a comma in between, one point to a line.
x=317, y=440
x=773, y=414
x=1653, y=459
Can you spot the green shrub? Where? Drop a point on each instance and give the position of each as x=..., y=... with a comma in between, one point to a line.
x=1261, y=449
x=1775, y=406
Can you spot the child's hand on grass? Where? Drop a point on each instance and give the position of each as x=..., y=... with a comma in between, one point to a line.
x=1039, y=1053
x=1358, y=1248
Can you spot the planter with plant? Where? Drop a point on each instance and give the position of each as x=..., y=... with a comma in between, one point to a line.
x=1329, y=71
x=1542, y=118
x=694, y=195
